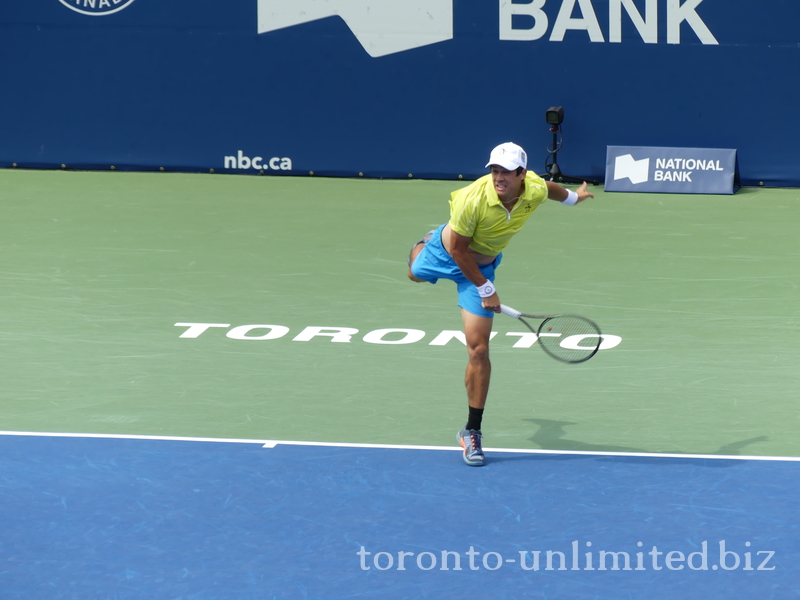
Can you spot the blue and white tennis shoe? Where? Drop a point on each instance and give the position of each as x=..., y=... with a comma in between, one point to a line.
x=470, y=440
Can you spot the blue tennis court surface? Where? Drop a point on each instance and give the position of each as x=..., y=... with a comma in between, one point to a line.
x=149, y=518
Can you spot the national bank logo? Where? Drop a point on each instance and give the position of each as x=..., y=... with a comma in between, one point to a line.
x=389, y=26
x=96, y=8
x=381, y=26
x=671, y=170
x=627, y=167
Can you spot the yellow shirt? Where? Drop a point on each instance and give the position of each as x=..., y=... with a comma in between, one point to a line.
x=477, y=212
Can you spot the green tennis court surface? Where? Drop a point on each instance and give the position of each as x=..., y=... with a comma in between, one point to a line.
x=97, y=269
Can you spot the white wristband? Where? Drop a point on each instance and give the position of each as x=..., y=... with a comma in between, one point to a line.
x=486, y=290
x=572, y=198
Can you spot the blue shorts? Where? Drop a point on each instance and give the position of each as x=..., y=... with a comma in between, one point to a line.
x=434, y=263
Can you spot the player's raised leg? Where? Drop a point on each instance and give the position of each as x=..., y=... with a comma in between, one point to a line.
x=418, y=247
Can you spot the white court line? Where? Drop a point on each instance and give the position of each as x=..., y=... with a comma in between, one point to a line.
x=274, y=443
x=120, y=436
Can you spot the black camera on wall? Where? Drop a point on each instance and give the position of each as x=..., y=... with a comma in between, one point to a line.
x=555, y=115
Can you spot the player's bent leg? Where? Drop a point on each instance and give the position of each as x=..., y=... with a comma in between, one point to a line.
x=411, y=258
x=415, y=251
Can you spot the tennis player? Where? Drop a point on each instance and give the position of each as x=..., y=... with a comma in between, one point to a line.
x=484, y=216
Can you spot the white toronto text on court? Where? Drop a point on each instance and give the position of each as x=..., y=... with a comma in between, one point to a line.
x=392, y=336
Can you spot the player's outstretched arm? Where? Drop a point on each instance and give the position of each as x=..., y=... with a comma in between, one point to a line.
x=561, y=194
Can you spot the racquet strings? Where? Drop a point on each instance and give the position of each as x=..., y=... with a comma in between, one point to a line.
x=569, y=338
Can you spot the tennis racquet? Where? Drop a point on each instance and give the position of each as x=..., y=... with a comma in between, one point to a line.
x=568, y=338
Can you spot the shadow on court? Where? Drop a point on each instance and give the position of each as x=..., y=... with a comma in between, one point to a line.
x=552, y=435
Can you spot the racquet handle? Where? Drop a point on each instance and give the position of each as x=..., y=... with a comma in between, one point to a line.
x=511, y=312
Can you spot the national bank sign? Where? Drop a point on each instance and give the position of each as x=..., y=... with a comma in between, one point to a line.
x=671, y=170
x=386, y=27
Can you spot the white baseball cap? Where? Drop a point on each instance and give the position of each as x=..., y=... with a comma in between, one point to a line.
x=509, y=156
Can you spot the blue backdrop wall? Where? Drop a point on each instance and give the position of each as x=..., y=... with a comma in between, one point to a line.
x=388, y=88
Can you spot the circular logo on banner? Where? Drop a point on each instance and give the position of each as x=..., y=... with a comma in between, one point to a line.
x=96, y=8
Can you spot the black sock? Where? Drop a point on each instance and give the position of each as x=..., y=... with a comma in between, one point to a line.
x=475, y=418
